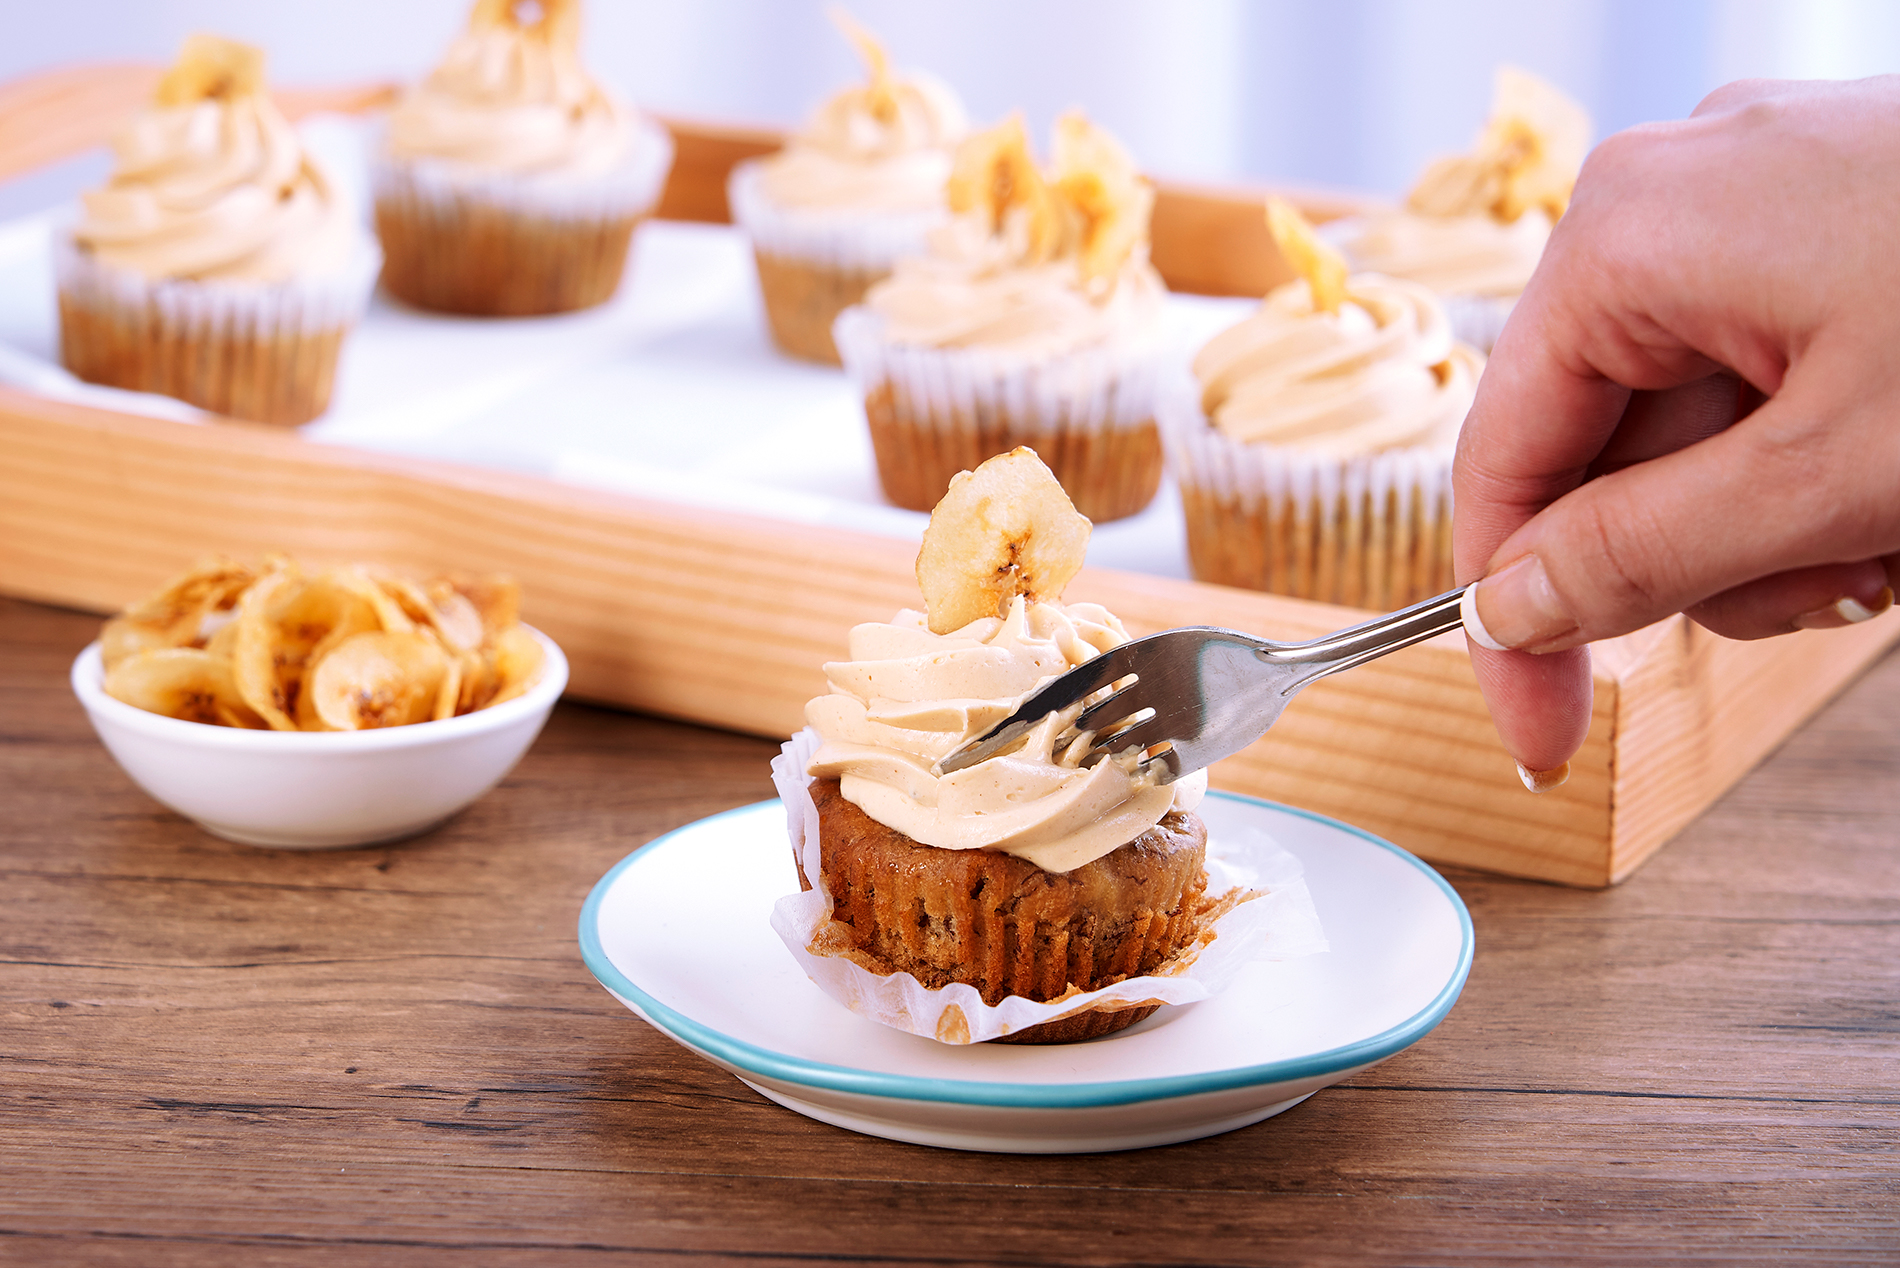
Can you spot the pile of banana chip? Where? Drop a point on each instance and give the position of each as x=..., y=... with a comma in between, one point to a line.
x=345, y=648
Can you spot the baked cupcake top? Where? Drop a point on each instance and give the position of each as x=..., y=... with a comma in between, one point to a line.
x=1034, y=263
x=917, y=687
x=211, y=183
x=880, y=146
x=1335, y=365
x=511, y=96
x=1476, y=224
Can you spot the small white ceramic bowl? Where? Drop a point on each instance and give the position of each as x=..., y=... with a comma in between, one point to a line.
x=319, y=790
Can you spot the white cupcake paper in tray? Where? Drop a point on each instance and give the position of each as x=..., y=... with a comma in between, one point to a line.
x=1280, y=924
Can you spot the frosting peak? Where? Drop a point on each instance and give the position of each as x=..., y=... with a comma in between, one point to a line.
x=1381, y=373
x=513, y=96
x=211, y=182
x=908, y=697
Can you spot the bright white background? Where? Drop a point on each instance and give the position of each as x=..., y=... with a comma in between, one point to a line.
x=1353, y=93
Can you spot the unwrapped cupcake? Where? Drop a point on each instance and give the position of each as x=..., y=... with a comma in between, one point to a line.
x=511, y=181
x=217, y=264
x=1474, y=226
x=860, y=186
x=1032, y=897
x=1034, y=319
x=1313, y=443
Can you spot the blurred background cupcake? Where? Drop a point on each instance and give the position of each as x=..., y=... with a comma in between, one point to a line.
x=1034, y=319
x=1474, y=226
x=859, y=186
x=1313, y=443
x=511, y=181
x=217, y=264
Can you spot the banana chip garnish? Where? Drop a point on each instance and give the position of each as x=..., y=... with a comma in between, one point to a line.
x=345, y=648
x=1003, y=530
x=1528, y=157
x=1109, y=198
x=556, y=21
x=1313, y=258
x=879, y=95
x=996, y=174
x=211, y=68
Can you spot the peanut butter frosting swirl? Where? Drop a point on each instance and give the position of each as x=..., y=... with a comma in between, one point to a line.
x=1453, y=255
x=907, y=697
x=1381, y=373
x=211, y=183
x=513, y=97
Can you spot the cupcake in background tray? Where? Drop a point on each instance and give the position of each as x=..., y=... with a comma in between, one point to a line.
x=860, y=186
x=1313, y=442
x=1034, y=319
x=1474, y=226
x=218, y=264
x=511, y=181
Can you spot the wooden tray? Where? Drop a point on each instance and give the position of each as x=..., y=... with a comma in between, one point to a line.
x=725, y=619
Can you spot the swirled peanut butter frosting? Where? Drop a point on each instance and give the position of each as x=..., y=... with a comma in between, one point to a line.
x=1382, y=372
x=512, y=96
x=1033, y=264
x=211, y=183
x=907, y=697
x=880, y=146
x=1476, y=223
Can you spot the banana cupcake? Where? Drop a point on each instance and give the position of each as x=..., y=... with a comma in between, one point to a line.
x=1313, y=444
x=1034, y=319
x=511, y=182
x=1030, y=898
x=218, y=264
x=861, y=185
x=1474, y=226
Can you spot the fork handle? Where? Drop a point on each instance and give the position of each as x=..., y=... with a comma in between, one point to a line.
x=1358, y=644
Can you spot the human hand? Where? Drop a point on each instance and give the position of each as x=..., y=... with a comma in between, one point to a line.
x=1610, y=473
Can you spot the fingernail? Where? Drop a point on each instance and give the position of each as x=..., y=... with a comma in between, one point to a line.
x=1515, y=608
x=1542, y=781
x=1846, y=610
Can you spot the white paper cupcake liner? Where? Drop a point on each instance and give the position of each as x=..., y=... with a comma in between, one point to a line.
x=844, y=239
x=1279, y=924
x=214, y=308
x=632, y=189
x=1478, y=319
x=1372, y=531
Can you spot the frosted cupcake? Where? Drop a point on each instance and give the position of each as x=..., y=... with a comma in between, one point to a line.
x=861, y=185
x=1474, y=226
x=1034, y=319
x=511, y=181
x=217, y=264
x=1314, y=444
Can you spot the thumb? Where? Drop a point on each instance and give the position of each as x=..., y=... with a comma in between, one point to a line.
x=1643, y=543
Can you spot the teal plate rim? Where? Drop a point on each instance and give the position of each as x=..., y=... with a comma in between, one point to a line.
x=764, y=1063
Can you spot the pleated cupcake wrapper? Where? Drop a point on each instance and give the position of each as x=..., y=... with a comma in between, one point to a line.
x=266, y=352
x=1278, y=924
x=867, y=242
x=632, y=189
x=222, y=309
x=1090, y=389
x=1372, y=531
x=1478, y=319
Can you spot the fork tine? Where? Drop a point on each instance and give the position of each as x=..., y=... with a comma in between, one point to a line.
x=1146, y=733
x=1103, y=713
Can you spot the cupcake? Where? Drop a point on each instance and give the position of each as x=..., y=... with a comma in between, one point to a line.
x=860, y=186
x=510, y=181
x=217, y=264
x=1474, y=226
x=1313, y=443
x=1033, y=319
x=1025, y=882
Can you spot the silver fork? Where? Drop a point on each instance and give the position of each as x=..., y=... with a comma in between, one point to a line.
x=1187, y=698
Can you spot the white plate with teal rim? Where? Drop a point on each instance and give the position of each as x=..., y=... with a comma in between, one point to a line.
x=680, y=933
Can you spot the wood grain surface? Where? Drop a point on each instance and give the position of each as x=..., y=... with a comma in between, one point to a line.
x=214, y=1054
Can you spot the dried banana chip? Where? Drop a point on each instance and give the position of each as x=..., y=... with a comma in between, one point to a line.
x=1313, y=258
x=211, y=67
x=175, y=616
x=386, y=678
x=1005, y=529
x=182, y=682
x=256, y=655
x=996, y=175
x=1528, y=156
x=518, y=658
x=879, y=96
x=1107, y=196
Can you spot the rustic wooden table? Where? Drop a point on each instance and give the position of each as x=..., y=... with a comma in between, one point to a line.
x=211, y=1053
